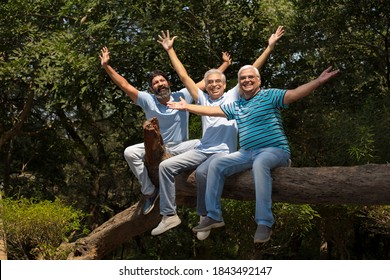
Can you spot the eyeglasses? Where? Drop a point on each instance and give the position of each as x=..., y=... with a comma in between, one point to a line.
x=249, y=77
x=217, y=81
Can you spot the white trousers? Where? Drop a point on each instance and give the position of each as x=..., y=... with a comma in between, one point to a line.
x=134, y=156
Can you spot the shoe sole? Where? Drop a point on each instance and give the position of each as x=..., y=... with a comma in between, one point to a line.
x=175, y=224
x=204, y=236
x=209, y=227
x=151, y=208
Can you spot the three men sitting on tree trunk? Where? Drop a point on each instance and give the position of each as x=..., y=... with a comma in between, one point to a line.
x=219, y=137
x=254, y=112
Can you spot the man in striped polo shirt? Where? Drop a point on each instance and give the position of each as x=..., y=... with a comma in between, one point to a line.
x=263, y=144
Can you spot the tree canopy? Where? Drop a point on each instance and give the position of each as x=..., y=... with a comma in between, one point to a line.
x=64, y=124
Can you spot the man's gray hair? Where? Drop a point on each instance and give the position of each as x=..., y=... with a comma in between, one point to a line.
x=214, y=71
x=248, y=67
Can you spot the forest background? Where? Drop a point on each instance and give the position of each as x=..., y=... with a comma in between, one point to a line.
x=64, y=125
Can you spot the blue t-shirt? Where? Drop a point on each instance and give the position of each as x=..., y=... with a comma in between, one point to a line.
x=173, y=123
x=259, y=120
x=219, y=134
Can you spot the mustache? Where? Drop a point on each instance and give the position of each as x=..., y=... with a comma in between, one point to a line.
x=162, y=88
x=162, y=95
x=157, y=91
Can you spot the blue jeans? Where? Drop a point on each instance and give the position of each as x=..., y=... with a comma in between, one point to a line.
x=171, y=167
x=201, y=183
x=261, y=161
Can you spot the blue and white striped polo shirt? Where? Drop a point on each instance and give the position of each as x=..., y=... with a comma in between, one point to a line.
x=259, y=120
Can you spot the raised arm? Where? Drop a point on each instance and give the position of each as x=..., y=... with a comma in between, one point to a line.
x=260, y=61
x=304, y=90
x=121, y=82
x=167, y=43
x=214, y=111
x=226, y=62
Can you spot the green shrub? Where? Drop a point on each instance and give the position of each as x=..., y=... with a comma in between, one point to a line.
x=35, y=229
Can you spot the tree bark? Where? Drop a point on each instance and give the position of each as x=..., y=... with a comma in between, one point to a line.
x=6, y=136
x=356, y=185
x=154, y=149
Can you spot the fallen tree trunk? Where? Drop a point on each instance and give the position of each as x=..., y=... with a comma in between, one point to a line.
x=356, y=185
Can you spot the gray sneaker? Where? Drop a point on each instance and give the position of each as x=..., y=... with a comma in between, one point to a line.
x=263, y=234
x=207, y=224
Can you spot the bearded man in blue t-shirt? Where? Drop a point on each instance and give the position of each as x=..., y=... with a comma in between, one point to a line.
x=173, y=124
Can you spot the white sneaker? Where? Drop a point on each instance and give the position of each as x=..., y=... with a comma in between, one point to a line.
x=167, y=222
x=202, y=235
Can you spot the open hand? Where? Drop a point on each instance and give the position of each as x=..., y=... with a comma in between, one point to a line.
x=276, y=36
x=165, y=40
x=327, y=75
x=181, y=105
x=226, y=58
x=105, y=56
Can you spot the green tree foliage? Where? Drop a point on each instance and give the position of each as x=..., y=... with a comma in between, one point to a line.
x=64, y=124
x=335, y=125
x=35, y=229
x=77, y=124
